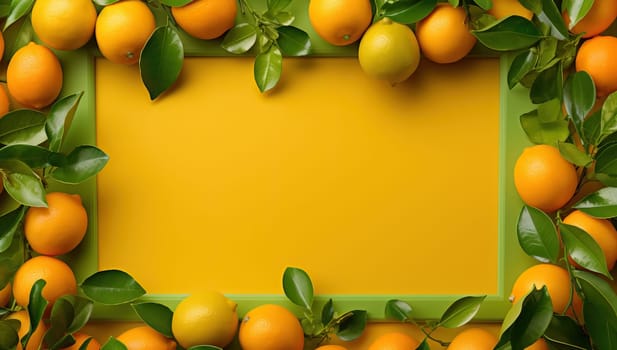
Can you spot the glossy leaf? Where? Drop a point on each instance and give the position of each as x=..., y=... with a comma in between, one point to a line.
x=59, y=120
x=113, y=344
x=327, y=312
x=10, y=260
x=7, y=205
x=60, y=319
x=408, y=11
x=112, y=287
x=23, y=126
x=461, y=311
x=606, y=160
x=173, y=3
x=533, y=320
x=267, y=68
x=79, y=311
x=352, y=325
x=564, y=331
x=398, y=310
x=521, y=65
x=583, y=249
x=275, y=6
x=573, y=154
x=602, y=327
x=85, y=344
x=8, y=335
x=576, y=10
x=484, y=4
x=551, y=16
x=81, y=164
x=9, y=224
x=36, y=308
x=591, y=128
x=600, y=204
x=298, y=287
x=540, y=131
x=240, y=38
x=510, y=33
x=537, y=235
x=608, y=121
x=599, y=308
x=548, y=85
x=19, y=9
x=533, y=5
x=293, y=41
x=161, y=60
x=579, y=96
x=22, y=183
x=33, y=156
x=157, y=316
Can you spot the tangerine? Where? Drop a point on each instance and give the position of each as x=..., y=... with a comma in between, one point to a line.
x=206, y=19
x=598, y=57
x=602, y=231
x=340, y=22
x=145, y=338
x=270, y=327
x=394, y=341
x=474, y=339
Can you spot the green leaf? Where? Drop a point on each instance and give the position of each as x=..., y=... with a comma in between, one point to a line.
x=8, y=335
x=606, y=160
x=112, y=287
x=352, y=325
x=9, y=224
x=537, y=235
x=298, y=287
x=23, y=126
x=173, y=3
x=327, y=312
x=161, y=60
x=576, y=9
x=275, y=6
x=535, y=316
x=22, y=183
x=579, y=96
x=60, y=118
x=7, y=205
x=564, y=331
x=600, y=204
x=36, y=307
x=484, y=4
x=583, y=249
x=573, y=154
x=461, y=311
x=510, y=33
x=85, y=344
x=408, y=11
x=240, y=38
x=10, y=260
x=544, y=132
x=533, y=5
x=591, y=129
x=73, y=312
x=522, y=64
x=398, y=310
x=601, y=327
x=267, y=68
x=113, y=344
x=608, y=121
x=155, y=315
x=81, y=164
x=599, y=308
x=551, y=16
x=17, y=36
x=33, y=156
x=19, y=8
x=293, y=41
x=60, y=319
x=548, y=85
x=424, y=345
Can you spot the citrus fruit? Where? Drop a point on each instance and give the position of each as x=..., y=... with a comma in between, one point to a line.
x=205, y=318
x=389, y=51
x=394, y=341
x=543, y=178
x=64, y=24
x=443, y=35
x=145, y=338
x=122, y=29
x=539, y=344
x=58, y=276
x=270, y=327
x=4, y=102
x=601, y=15
x=34, y=76
x=36, y=339
x=81, y=338
x=206, y=19
x=331, y=347
x=506, y=8
x=340, y=22
x=474, y=339
x=1, y=45
x=5, y=294
x=602, y=231
x=60, y=227
x=598, y=57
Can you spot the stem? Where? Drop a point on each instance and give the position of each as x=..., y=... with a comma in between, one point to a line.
x=429, y=335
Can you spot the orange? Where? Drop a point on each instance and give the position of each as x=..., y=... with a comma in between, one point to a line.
x=1, y=45
x=4, y=102
x=145, y=338
x=555, y=278
x=443, y=35
x=80, y=338
x=58, y=275
x=331, y=347
x=506, y=8
x=474, y=339
x=598, y=57
x=60, y=227
x=601, y=15
x=540, y=344
x=394, y=341
x=340, y=22
x=5, y=295
x=64, y=24
x=270, y=327
x=122, y=29
x=34, y=76
x=543, y=178
x=36, y=339
x=602, y=231
x=206, y=19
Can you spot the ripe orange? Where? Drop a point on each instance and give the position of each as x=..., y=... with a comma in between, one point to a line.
x=598, y=57
x=543, y=178
x=340, y=22
x=601, y=15
x=64, y=24
x=145, y=338
x=474, y=339
x=36, y=339
x=443, y=35
x=4, y=102
x=506, y=8
x=60, y=227
x=331, y=347
x=206, y=19
x=58, y=275
x=122, y=29
x=80, y=338
x=394, y=341
x=34, y=76
x=602, y=231
x=5, y=295
x=270, y=327
x=1, y=45
x=540, y=344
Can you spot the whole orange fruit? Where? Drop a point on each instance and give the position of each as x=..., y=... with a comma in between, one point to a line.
x=340, y=22
x=270, y=327
x=64, y=24
x=58, y=276
x=602, y=231
x=4, y=102
x=543, y=178
x=145, y=338
x=601, y=15
x=443, y=35
x=60, y=227
x=206, y=19
x=5, y=295
x=506, y=8
x=122, y=29
x=598, y=57
x=81, y=338
x=474, y=339
x=331, y=347
x=34, y=76
x=394, y=341
x=36, y=339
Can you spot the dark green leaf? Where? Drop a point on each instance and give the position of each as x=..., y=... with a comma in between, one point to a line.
x=600, y=204
x=547, y=53
x=484, y=4
x=542, y=132
x=112, y=287
x=606, y=160
x=8, y=335
x=533, y=5
x=599, y=309
x=17, y=36
x=579, y=96
x=173, y=3
x=267, y=68
x=327, y=312
x=293, y=41
x=537, y=235
x=510, y=33
x=7, y=205
x=85, y=344
x=22, y=183
x=564, y=331
x=161, y=60
x=461, y=311
x=591, y=128
x=424, y=345
x=608, y=121
x=352, y=325
x=408, y=11
x=298, y=287
x=398, y=310
x=583, y=249
x=157, y=316
x=23, y=126
x=19, y=8
x=60, y=118
x=240, y=38
x=33, y=156
x=9, y=224
x=113, y=344
x=548, y=85
x=522, y=64
x=602, y=327
x=36, y=307
x=60, y=319
x=576, y=10
x=551, y=16
x=82, y=310
x=535, y=316
x=275, y=6
x=81, y=164
x=573, y=154
x=10, y=260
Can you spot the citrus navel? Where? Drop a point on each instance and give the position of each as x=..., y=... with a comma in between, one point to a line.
x=601, y=15
x=145, y=338
x=598, y=57
x=64, y=24
x=506, y=8
x=340, y=22
x=270, y=327
x=394, y=341
x=81, y=338
x=58, y=276
x=474, y=339
x=36, y=339
x=602, y=231
x=206, y=19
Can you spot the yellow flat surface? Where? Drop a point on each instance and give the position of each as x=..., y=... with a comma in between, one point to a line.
x=369, y=188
